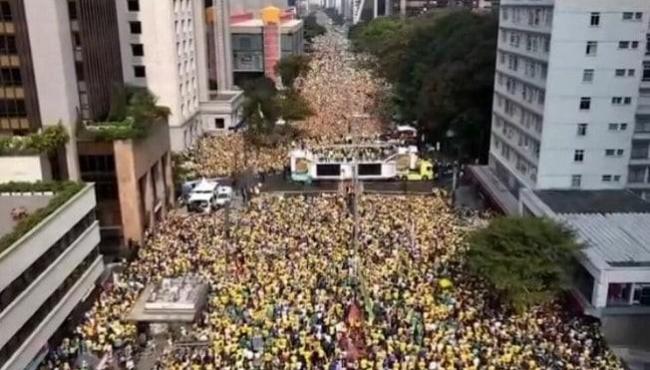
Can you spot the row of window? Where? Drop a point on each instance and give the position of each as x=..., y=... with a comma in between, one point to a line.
x=594, y=19
x=521, y=164
x=527, y=118
x=589, y=74
x=576, y=180
x=592, y=46
x=582, y=128
x=533, y=16
x=529, y=93
x=22, y=282
x=585, y=102
x=534, y=42
x=579, y=154
x=45, y=309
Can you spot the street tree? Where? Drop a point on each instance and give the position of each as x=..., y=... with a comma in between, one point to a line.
x=291, y=67
x=526, y=260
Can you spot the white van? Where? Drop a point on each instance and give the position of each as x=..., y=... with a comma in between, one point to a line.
x=203, y=197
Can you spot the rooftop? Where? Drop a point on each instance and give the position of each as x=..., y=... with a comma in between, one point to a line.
x=171, y=300
x=8, y=203
x=619, y=239
x=38, y=201
x=593, y=201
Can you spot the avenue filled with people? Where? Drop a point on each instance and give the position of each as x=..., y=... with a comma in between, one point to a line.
x=341, y=95
x=285, y=281
x=324, y=282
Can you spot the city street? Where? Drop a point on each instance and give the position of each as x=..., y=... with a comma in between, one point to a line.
x=353, y=279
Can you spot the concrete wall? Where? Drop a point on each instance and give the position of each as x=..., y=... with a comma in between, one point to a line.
x=26, y=304
x=53, y=321
x=25, y=168
x=53, y=60
x=137, y=161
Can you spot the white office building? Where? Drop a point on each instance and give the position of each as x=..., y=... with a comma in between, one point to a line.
x=568, y=92
x=45, y=274
x=163, y=49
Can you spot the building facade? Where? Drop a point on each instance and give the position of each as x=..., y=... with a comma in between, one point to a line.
x=568, y=93
x=162, y=49
x=45, y=275
x=58, y=61
x=134, y=185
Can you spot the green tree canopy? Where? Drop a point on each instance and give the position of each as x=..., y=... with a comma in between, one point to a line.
x=312, y=28
x=441, y=66
x=291, y=67
x=527, y=260
x=294, y=106
x=261, y=106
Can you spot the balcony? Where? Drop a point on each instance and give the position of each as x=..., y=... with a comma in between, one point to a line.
x=55, y=317
x=24, y=305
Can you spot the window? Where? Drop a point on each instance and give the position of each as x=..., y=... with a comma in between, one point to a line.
x=595, y=20
x=619, y=152
x=623, y=44
x=5, y=11
x=646, y=71
x=622, y=126
x=592, y=48
x=627, y=100
x=638, y=16
x=136, y=27
x=139, y=71
x=609, y=152
x=72, y=9
x=588, y=75
x=137, y=50
x=585, y=103
x=576, y=181
x=613, y=126
x=628, y=16
x=79, y=69
x=617, y=178
x=219, y=123
x=133, y=5
x=619, y=72
x=8, y=44
x=607, y=178
x=617, y=100
x=635, y=44
x=579, y=155
x=631, y=72
x=582, y=129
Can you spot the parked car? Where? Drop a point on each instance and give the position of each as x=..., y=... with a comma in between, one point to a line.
x=224, y=196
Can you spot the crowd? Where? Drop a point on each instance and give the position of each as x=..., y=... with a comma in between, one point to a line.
x=341, y=96
x=349, y=153
x=284, y=283
x=295, y=284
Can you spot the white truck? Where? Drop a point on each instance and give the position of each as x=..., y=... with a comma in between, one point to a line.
x=207, y=196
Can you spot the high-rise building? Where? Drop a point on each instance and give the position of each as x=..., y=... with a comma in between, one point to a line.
x=572, y=95
x=163, y=49
x=58, y=63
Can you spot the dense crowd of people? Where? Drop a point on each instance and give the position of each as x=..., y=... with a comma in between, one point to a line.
x=284, y=283
x=295, y=284
x=341, y=96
